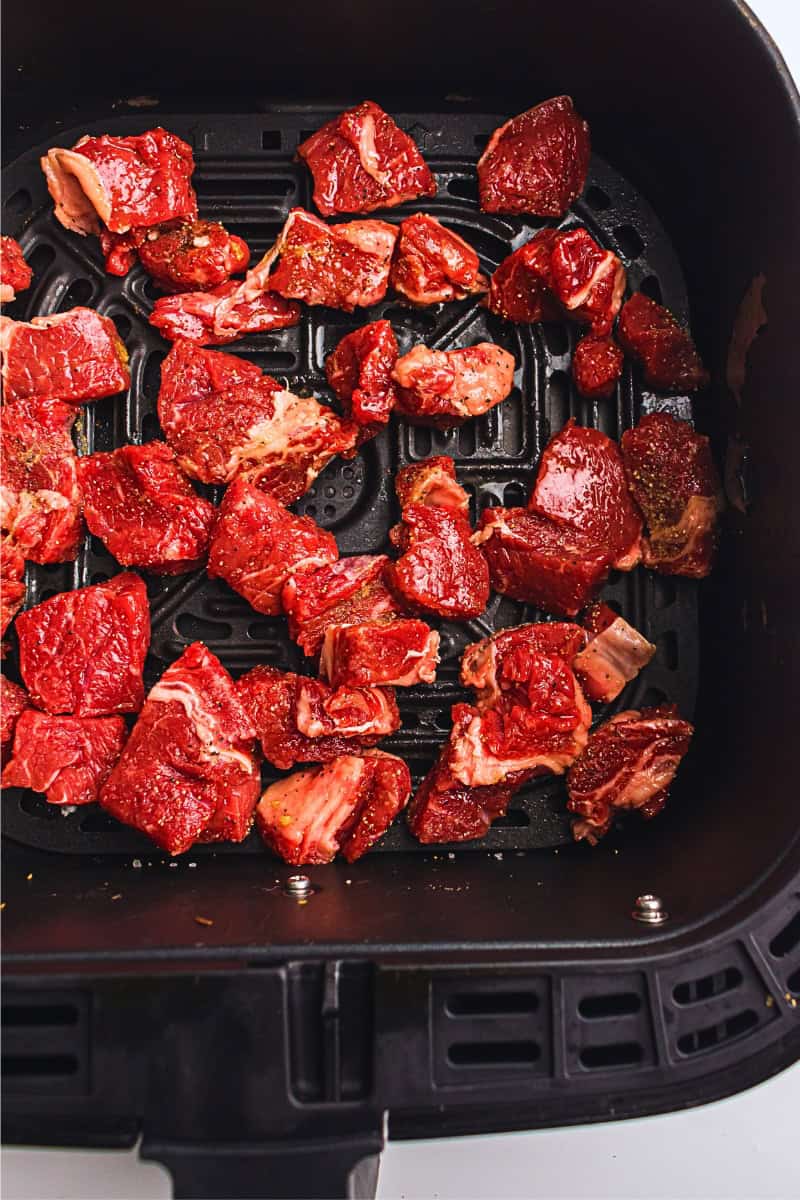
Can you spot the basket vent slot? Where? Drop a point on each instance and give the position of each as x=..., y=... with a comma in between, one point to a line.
x=692, y=991
x=793, y=982
x=484, y=1026
x=494, y=1054
x=596, y=1008
x=615, y=1054
x=629, y=241
x=45, y=1043
x=713, y=1035
x=489, y=1004
x=788, y=939
x=270, y=139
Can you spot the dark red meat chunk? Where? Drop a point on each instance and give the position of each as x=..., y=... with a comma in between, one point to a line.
x=521, y=287
x=83, y=652
x=221, y=315
x=40, y=506
x=446, y=387
x=597, y=366
x=445, y=810
x=433, y=265
x=121, y=183
x=344, y=807
x=432, y=482
x=119, y=250
x=189, y=771
x=15, y=274
x=361, y=160
x=138, y=501
x=672, y=476
x=13, y=702
x=360, y=372
x=67, y=758
x=398, y=653
x=650, y=333
x=12, y=584
x=581, y=484
x=536, y=162
x=185, y=256
x=554, y=567
x=630, y=762
x=615, y=654
x=257, y=544
x=440, y=570
x=71, y=356
x=496, y=666
x=348, y=591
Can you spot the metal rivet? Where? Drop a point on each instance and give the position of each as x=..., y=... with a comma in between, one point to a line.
x=298, y=887
x=650, y=910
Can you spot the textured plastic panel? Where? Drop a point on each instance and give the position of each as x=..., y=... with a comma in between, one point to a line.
x=247, y=177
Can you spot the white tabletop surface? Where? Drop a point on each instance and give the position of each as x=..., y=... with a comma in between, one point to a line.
x=744, y=1148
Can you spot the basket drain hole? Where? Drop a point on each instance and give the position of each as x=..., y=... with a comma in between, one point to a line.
x=615, y=1054
x=788, y=938
x=622, y=1004
x=693, y=990
x=491, y=1004
x=712, y=1035
x=493, y=1054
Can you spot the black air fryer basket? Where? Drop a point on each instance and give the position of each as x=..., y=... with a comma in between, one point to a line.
x=502, y=984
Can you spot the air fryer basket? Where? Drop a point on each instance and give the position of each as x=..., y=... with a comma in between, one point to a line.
x=468, y=988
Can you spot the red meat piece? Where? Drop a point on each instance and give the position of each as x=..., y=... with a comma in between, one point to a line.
x=360, y=372
x=597, y=366
x=672, y=475
x=83, y=652
x=40, y=505
x=433, y=265
x=651, y=334
x=12, y=584
x=344, y=807
x=532, y=559
x=119, y=250
x=536, y=162
x=344, y=593
x=615, y=654
x=581, y=484
x=221, y=315
x=498, y=665
x=189, y=772
x=432, y=482
x=445, y=810
x=440, y=570
x=13, y=702
x=630, y=762
x=185, y=256
x=521, y=287
x=334, y=722
x=71, y=356
x=257, y=544
x=15, y=274
x=68, y=758
x=138, y=501
x=250, y=428
x=361, y=160
x=121, y=183
x=391, y=653
x=446, y=387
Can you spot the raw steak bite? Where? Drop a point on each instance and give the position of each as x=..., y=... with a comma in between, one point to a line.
x=185, y=256
x=15, y=274
x=597, y=366
x=532, y=559
x=71, y=356
x=536, y=162
x=630, y=762
x=445, y=387
x=650, y=333
x=13, y=702
x=257, y=544
x=361, y=160
x=433, y=265
x=432, y=482
x=498, y=666
x=445, y=810
x=221, y=315
x=360, y=372
x=615, y=654
x=40, y=504
x=189, y=771
x=83, y=652
x=399, y=653
x=142, y=506
x=581, y=484
x=67, y=758
x=672, y=476
x=344, y=593
x=369, y=713
x=345, y=806
x=440, y=570
x=521, y=287
x=12, y=584
x=121, y=183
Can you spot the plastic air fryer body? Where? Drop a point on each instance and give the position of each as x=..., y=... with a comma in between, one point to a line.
x=454, y=990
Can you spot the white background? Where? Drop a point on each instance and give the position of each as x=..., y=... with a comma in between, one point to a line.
x=745, y=1148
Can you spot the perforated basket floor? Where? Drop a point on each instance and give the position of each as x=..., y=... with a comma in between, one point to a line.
x=247, y=178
